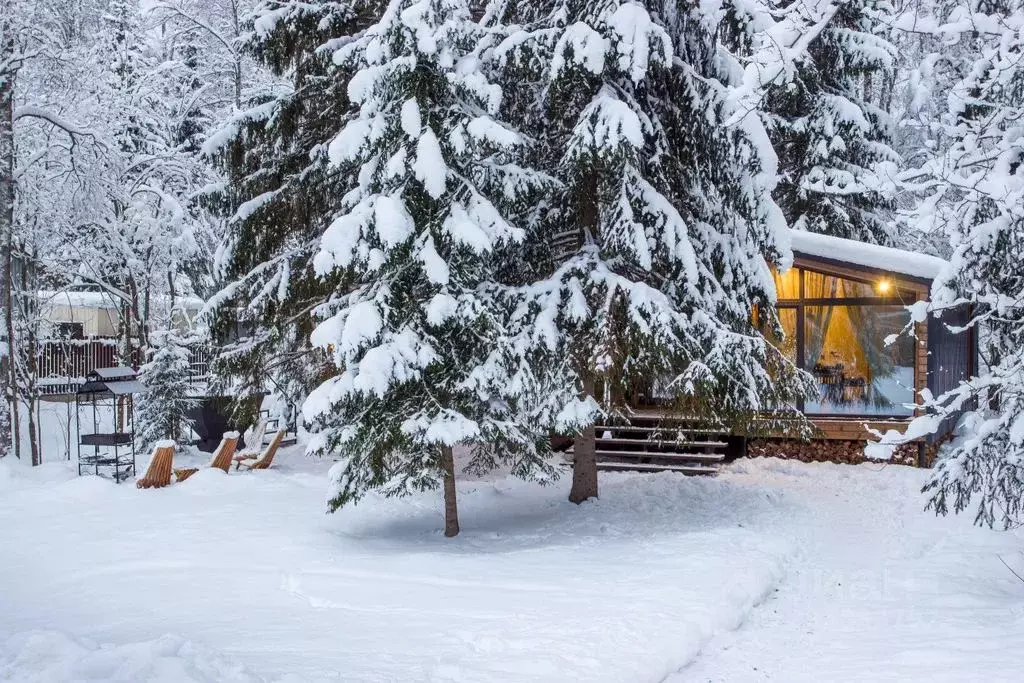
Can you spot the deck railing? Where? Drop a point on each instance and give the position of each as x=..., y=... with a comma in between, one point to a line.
x=58, y=358
x=63, y=364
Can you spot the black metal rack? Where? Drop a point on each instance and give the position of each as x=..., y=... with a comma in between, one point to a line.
x=113, y=452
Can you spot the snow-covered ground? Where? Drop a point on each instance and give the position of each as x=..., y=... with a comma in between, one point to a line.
x=772, y=571
x=876, y=590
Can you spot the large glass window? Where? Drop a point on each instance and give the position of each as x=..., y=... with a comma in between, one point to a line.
x=822, y=286
x=800, y=284
x=857, y=372
x=787, y=284
x=837, y=330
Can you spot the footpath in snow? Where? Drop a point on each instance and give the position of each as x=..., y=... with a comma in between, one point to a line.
x=773, y=571
x=878, y=590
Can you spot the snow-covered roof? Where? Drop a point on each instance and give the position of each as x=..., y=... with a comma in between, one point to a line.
x=872, y=256
x=95, y=299
x=119, y=372
x=121, y=387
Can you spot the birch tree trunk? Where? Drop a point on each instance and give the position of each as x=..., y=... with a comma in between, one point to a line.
x=451, y=510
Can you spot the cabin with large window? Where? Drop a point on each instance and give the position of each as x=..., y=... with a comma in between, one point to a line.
x=844, y=312
x=843, y=306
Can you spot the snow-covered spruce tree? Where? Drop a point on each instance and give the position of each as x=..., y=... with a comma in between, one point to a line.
x=836, y=166
x=416, y=335
x=162, y=411
x=278, y=197
x=654, y=248
x=975, y=194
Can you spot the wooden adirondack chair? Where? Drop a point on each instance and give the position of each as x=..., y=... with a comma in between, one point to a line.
x=158, y=474
x=265, y=459
x=254, y=438
x=221, y=457
x=225, y=452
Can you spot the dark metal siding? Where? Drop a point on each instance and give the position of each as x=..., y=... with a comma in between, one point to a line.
x=952, y=357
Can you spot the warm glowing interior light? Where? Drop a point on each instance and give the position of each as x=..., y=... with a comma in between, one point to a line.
x=884, y=286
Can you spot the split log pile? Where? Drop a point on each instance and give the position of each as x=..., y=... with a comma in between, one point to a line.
x=830, y=450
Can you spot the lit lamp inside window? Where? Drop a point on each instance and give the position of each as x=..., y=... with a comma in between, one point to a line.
x=883, y=286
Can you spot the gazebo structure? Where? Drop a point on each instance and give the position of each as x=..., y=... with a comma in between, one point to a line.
x=107, y=444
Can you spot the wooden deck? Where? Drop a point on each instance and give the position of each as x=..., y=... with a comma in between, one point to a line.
x=853, y=429
x=838, y=428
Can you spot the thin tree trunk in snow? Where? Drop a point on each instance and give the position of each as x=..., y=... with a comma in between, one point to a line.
x=33, y=432
x=7, y=224
x=584, y=465
x=125, y=335
x=584, y=462
x=30, y=378
x=451, y=510
x=137, y=325
x=15, y=417
x=236, y=24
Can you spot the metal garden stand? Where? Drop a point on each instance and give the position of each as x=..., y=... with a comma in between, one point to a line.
x=112, y=452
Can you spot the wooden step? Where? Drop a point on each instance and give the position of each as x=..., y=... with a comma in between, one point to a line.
x=663, y=414
x=703, y=457
x=600, y=429
x=630, y=466
x=681, y=443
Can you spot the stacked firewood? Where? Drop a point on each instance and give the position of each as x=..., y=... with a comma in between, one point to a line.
x=829, y=450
